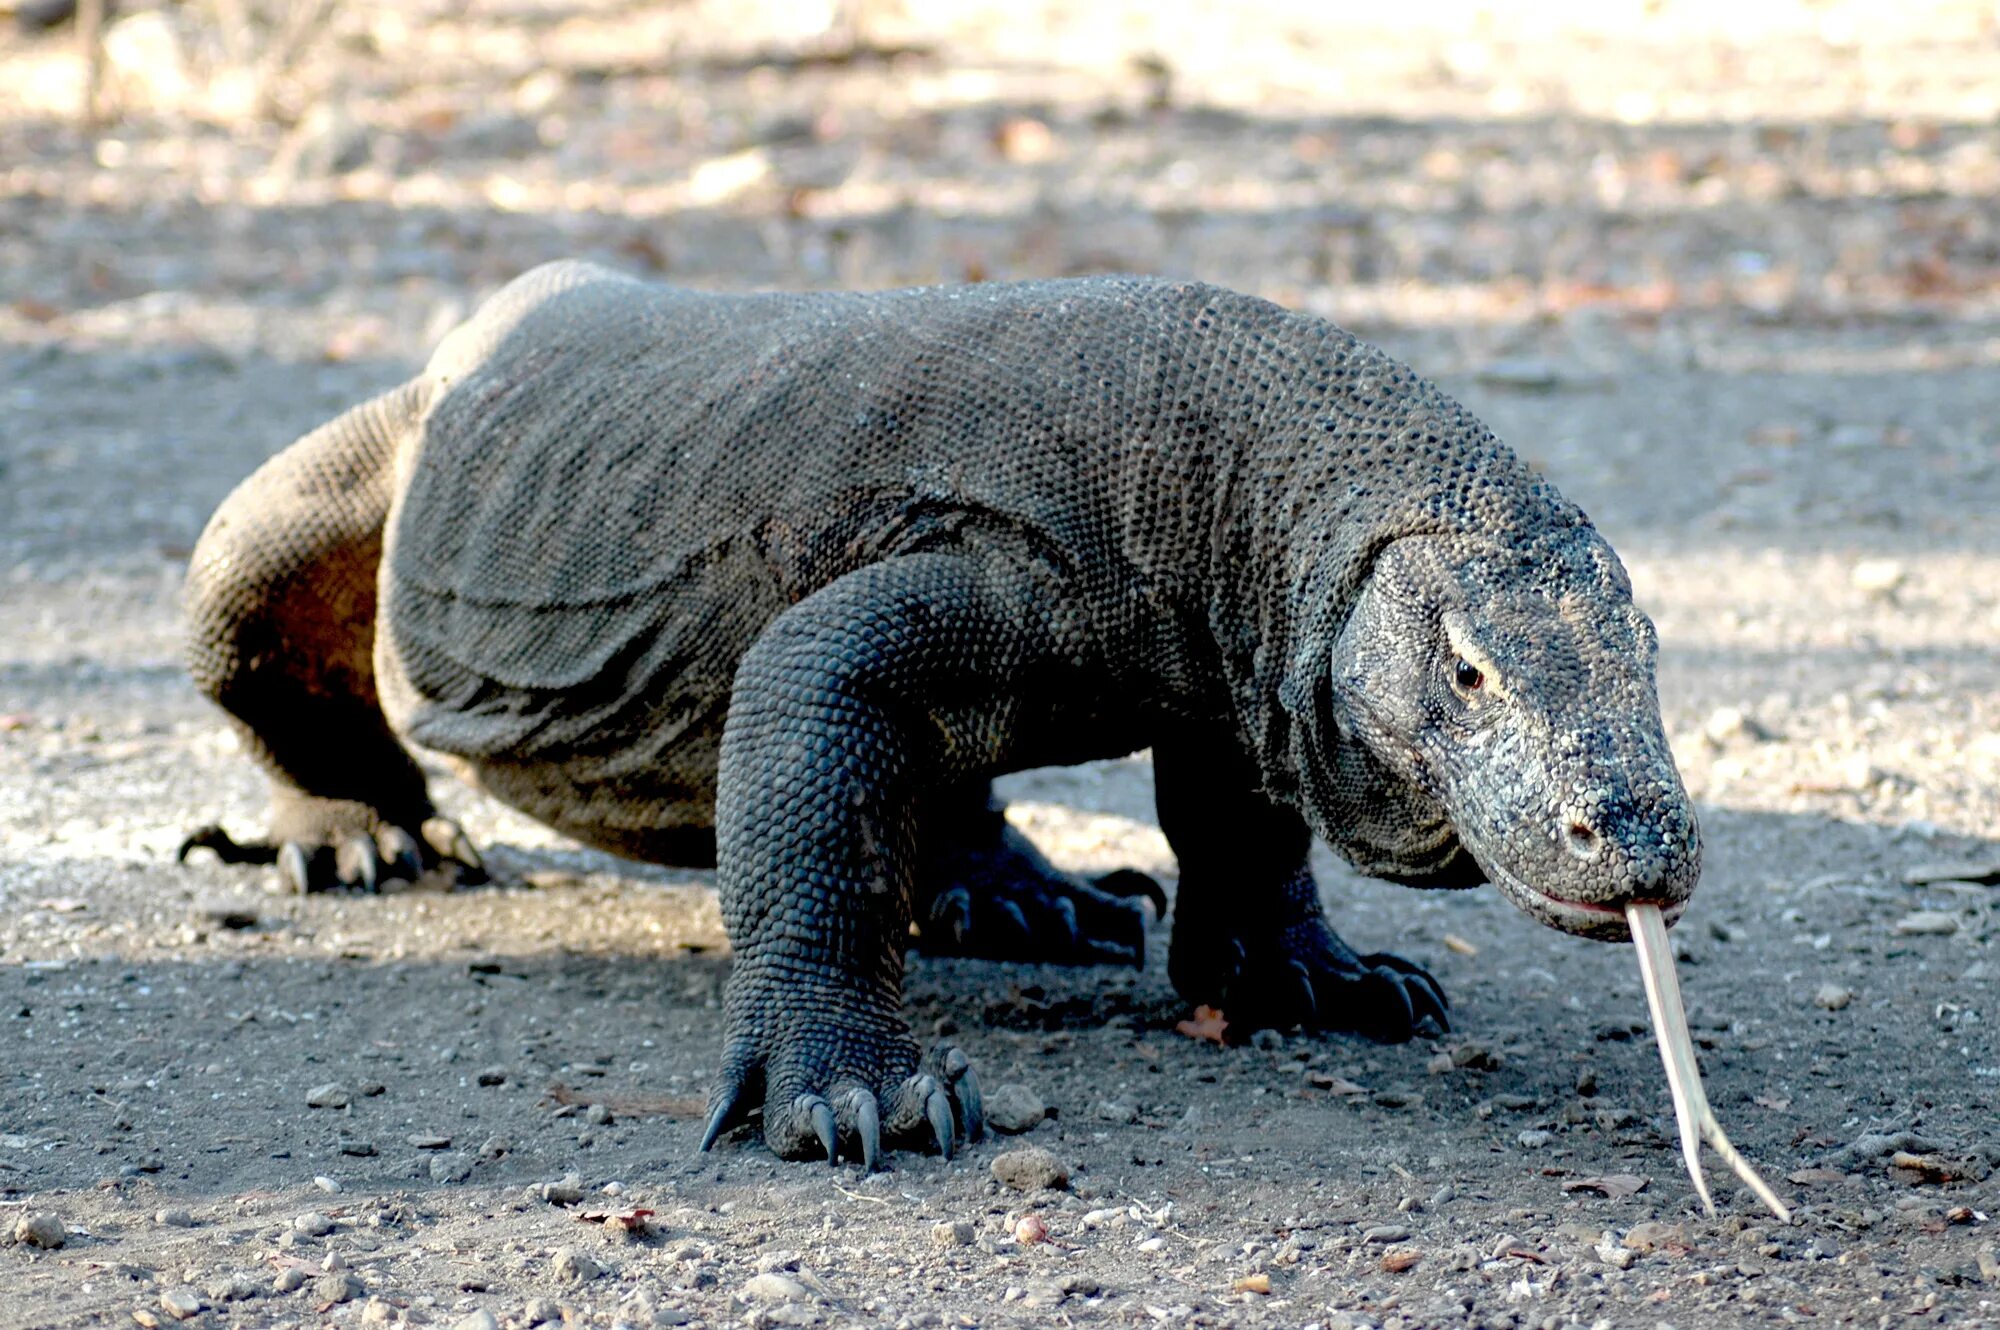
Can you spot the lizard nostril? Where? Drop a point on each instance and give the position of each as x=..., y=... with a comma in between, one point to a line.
x=1582, y=839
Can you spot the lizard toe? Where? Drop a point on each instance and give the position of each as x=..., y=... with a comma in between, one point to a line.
x=357, y=864
x=402, y=856
x=450, y=843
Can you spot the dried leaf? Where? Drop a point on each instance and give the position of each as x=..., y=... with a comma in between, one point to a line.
x=1257, y=1283
x=618, y=1221
x=1206, y=1023
x=1776, y=1103
x=1613, y=1185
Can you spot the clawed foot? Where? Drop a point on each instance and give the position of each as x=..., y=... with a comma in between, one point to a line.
x=1051, y=921
x=833, y=1092
x=355, y=860
x=984, y=890
x=1306, y=976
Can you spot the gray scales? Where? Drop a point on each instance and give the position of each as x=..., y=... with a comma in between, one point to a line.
x=779, y=582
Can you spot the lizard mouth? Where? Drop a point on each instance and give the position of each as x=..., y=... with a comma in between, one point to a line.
x=1590, y=919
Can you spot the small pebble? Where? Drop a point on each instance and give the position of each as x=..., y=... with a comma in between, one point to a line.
x=1927, y=923
x=451, y=1166
x=334, y=1261
x=541, y=1311
x=1614, y=1255
x=181, y=1303
x=327, y=1184
x=41, y=1230
x=313, y=1224
x=1832, y=996
x=479, y=1320
x=1877, y=577
x=1386, y=1233
x=1151, y=1245
x=773, y=1287
x=289, y=1280
x=377, y=1311
x=1026, y=1170
x=574, y=1267
x=1534, y=1140
x=238, y=1287
x=597, y=1115
x=492, y=1075
x=174, y=1217
x=951, y=1233
x=1653, y=1236
x=1115, y=1111
x=1013, y=1108
x=566, y=1192
x=1030, y=1229
x=337, y=1287
x=429, y=1140
x=331, y=1095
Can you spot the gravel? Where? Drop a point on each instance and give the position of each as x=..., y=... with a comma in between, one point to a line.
x=1013, y=1108
x=1030, y=1169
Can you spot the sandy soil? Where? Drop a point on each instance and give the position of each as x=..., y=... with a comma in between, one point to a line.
x=1732, y=278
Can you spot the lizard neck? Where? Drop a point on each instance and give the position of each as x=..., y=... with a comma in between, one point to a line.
x=1352, y=452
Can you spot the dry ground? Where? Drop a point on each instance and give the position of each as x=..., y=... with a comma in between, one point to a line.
x=1731, y=274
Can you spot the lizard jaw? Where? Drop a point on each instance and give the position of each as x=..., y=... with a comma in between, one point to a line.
x=1606, y=923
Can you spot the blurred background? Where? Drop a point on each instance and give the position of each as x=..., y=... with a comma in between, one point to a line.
x=1479, y=169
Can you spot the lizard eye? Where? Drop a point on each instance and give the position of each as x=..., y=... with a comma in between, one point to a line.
x=1466, y=675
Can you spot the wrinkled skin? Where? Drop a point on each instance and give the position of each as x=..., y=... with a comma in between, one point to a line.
x=1509, y=701
x=780, y=582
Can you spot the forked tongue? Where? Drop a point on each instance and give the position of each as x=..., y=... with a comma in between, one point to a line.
x=1697, y=1120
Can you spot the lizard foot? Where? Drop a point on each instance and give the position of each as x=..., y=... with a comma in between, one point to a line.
x=830, y=1092
x=1056, y=921
x=993, y=895
x=1305, y=976
x=353, y=860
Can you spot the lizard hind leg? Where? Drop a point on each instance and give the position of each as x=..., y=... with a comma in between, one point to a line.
x=984, y=890
x=280, y=606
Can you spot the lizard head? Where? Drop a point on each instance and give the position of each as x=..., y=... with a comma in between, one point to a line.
x=1497, y=705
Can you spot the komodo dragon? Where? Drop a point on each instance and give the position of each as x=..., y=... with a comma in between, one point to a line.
x=785, y=579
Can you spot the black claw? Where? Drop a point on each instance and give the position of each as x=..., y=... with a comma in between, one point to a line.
x=868, y=1126
x=718, y=1117
x=1015, y=919
x=357, y=863
x=965, y=1084
x=1395, y=1020
x=937, y=1107
x=450, y=841
x=1065, y=911
x=1130, y=883
x=822, y=1120
x=400, y=854
x=1302, y=995
x=953, y=911
x=1425, y=1003
x=294, y=868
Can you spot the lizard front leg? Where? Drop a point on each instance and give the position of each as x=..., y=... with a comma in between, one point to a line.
x=1250, y=935
x=898, y=679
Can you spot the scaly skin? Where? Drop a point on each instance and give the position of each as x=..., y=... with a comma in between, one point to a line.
x=784, y=580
